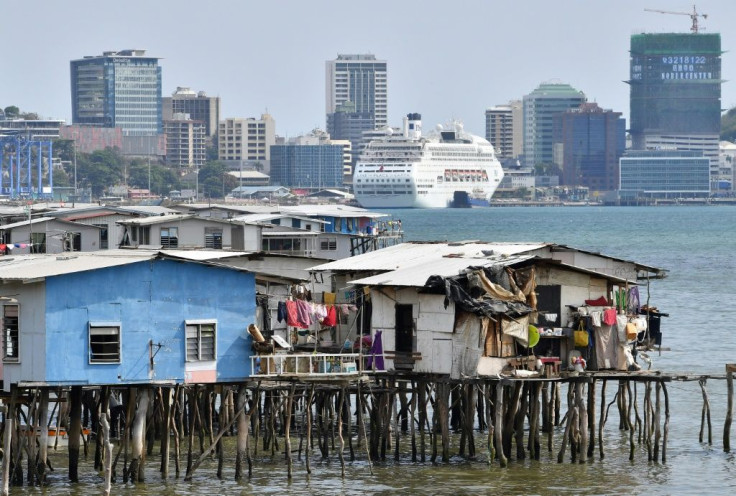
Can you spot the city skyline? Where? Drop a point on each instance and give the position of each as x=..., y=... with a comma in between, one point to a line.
x=442, y=63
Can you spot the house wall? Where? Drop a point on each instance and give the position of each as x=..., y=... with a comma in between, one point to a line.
x=151, y=300
x=191, y=232
x=55, y=236
x=114, y=230
x=433, y=326
x=624, y=270
x=576, y=287
x=31, y=336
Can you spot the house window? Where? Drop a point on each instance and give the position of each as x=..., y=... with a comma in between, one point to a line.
x=328, y=244
x=73, y=241
x=213, y=238
x=38, y=242
x=144, y=235
x=104, y=343
x=170, y=237
x=201, y=340
x=10, y=333
x=103, y=236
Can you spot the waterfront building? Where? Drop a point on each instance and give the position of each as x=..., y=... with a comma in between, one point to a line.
x=90, y=139
x=308, y=162
x=35, y=129
x=591, y=140
x=198, y=105
x=504, y=129
x=540, y=108
x=185, y=141
x=118, y=89
x=675, y=93
x=348, y=124
x=362, y=80
x=246, y=140
x=664, y=174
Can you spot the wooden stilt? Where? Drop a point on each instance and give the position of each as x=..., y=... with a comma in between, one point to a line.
x=75, y=431
x=422, y=419
x=730, y=368
x=43, y=441
x=499, y=425
x=602, y=420
x=287, y=430
x=8, y=437
x=583, y=419
x=137, y=437
x=591, y=419
x=632, y=402
x=657, y=418
x=517, y=413
x=568, y=428
x=308, y=406
x=106, y=447
x=666, y=422
x=705, y=415
x=412, y=413
x=341, y=455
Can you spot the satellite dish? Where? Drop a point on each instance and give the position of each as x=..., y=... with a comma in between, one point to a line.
x=439, y=128
x=389, y=132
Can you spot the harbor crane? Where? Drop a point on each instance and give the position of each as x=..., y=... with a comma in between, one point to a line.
x=693, y=16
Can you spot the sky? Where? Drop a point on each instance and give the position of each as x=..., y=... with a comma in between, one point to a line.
x=446, y=59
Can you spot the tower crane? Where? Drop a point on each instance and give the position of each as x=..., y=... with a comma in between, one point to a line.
x=693, y=16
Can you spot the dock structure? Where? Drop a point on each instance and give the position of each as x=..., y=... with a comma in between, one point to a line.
x=360, y=416
x=424, y=351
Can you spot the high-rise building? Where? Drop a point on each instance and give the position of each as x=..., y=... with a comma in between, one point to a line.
x=347, y=124
x=362, y=80
x=663, y=174
x=592, y=140
x=312, y=161
x=198, y=105
x=540, y=108
x=185, y=141
x=675, y=82
x=246, y=140
x=118, y=89
x=504, y=129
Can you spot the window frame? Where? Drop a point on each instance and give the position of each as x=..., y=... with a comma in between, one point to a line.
x=211, y=238
x=7, y=336
x=99, y=326
x=198, y=324
x=330, y=242
x=169, y=237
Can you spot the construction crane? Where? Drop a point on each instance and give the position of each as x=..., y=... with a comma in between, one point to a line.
x=693, y=16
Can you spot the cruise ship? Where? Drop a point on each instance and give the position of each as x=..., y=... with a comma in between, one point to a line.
x=412, y=171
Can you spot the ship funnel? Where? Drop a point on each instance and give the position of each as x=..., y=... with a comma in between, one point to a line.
x=413, y=126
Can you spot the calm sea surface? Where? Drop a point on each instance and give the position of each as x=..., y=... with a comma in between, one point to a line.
x=696, y=244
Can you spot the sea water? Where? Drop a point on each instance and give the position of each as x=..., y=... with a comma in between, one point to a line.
x=695, y=244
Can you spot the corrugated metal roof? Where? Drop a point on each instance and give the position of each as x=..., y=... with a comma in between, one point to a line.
x=160, y=219
x=204, y=255
x=30, y=267
x=39, y=220
x=398, y=256
x=417, y=275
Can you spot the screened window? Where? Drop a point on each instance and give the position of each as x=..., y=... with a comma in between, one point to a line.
x=170, y=237
x=201, y=339
x=328, y=244
x=38, y=242
x=213, y=238
x=103, y=236
x=10, y=332
x=104, y=343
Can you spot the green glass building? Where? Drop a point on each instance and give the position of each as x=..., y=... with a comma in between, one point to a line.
x=675, y=81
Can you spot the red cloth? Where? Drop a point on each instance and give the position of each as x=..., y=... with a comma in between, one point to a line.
x=292, y=315
x=331, y=319
x=609, y=316
x=600, y=302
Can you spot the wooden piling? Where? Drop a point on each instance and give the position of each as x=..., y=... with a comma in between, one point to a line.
x=75, y=432
x=498, y=425
x=137, y=473
x=705, y=413
x=730, y=368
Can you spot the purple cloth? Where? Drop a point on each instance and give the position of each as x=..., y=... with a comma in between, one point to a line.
x=375, y=360
x=303, y=313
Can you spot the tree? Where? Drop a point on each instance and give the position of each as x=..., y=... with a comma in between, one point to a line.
x=728, y=125
x=100, y=169
x=11, y=112
x=162, y=178
x=214, y=180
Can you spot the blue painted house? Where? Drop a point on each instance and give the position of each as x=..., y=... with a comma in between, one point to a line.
x=124, y=317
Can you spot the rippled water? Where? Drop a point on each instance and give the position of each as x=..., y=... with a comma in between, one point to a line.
x=695, y=243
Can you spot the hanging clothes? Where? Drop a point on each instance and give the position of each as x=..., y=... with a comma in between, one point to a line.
x=281, y=311
x=292, y=314
x=632, y=301
x=329, y=298
x=375, y=359
x=606, y=347
x=331, y=317
x=609, y=316
x=304, y=314
x=320, y=311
